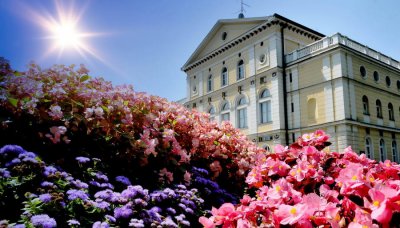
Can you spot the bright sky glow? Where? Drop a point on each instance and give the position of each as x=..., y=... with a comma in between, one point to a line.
x=145, y=43
x=66, y=35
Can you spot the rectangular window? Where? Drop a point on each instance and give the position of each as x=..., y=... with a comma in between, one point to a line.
x=225, y=117
x=391, y=115
x=242, y=118
x=224, y=79
x=209, y=84
x=293, y=137
x=290, y=77
x=240, y=72
x=265, y=111
x=292, y=107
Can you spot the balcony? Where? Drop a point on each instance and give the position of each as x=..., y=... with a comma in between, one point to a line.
x=336, y=40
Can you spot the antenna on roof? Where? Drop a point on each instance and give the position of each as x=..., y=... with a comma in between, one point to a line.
x=242, y=10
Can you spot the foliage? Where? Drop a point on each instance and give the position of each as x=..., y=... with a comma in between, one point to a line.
x=65, y=110
x=109, y=156
x=305, y=186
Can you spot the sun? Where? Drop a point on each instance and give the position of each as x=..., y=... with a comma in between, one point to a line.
x=66, y=35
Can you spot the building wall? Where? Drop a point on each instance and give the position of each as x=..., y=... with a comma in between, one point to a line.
x=331, y=79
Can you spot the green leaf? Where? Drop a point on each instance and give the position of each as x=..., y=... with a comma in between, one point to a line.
x=104, y=108
x=78, y=103
x=84, y=78
x=13, y=101
x=17, y=73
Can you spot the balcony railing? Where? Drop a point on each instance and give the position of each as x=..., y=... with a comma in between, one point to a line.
x=335, y=40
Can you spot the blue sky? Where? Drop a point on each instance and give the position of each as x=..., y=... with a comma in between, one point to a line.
x=146, y=42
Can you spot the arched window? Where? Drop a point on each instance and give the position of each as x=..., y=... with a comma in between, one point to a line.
x=211, y=111
x=312, y=110
x=265, y=106
x=242, y=112
x=391, y=111
x=240, y=70
x=224, y=77
x=225, y=112
x=368, y=148
x=394, y=152
x=365, y=105
x=267, y=148
x=209, y=83
x=382, y=150
x=378, y=109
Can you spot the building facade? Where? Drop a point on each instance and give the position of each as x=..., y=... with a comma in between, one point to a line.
x=275, y=80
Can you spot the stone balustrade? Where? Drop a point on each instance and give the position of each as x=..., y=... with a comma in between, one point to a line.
x=336, y=40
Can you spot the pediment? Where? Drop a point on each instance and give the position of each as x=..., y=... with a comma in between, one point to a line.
x=223, y=32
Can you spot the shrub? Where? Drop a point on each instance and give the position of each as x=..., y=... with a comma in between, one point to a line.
x=63, y=113
x=305, y=186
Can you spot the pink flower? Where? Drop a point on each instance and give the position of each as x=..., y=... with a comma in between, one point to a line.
x=88, y=112
x=379, y=205
x=289, y=215
x=187, y=177
x=166, y=175
x=55, y=112
x=226, y=214
x=216, y=168
x=56, y=133
x=99, y=112
x=277, y=167
x=206, y=222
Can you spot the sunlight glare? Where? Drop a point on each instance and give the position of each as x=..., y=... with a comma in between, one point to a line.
x=66, y=35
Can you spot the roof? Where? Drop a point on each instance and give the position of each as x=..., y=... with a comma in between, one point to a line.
x=264, y=22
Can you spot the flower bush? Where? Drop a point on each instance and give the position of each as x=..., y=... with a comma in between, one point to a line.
x=109, y=156
x=306, y=186
x=40, y=195
x=65, y=110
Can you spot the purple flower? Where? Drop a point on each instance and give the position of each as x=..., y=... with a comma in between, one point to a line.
x=4, y=173
x=101, y=204
x=47, y=184
x=110, y=218
x=140, y=202
x=138, y=223
x=171, y=193
x=104, y=194
x=183, y=206
x=19, y=226
x=72, y=222
x=13, y=162
x=106, y=185
x=122, y=179
x=11, y=149
x=130, y=192
x=94, y=183
x=44, y=221
x=122, y=212
x=45, y=198
x=101, y=177
x=168, y=222
x=29, y=159
x=77, y=194
x=27, y=155
x=82, y=159
x=189, y=210
x=100, y=225
x=49, y=170
x=171, y=210
x=80, y=184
